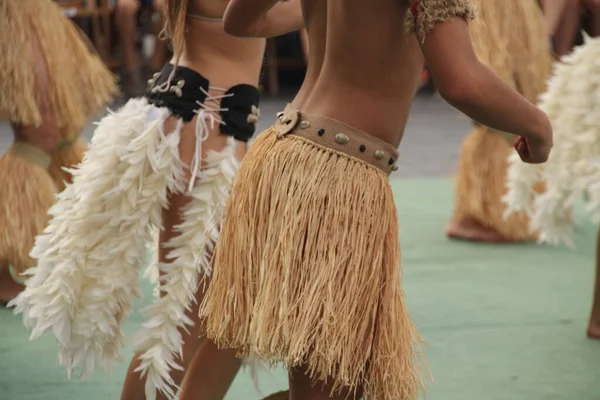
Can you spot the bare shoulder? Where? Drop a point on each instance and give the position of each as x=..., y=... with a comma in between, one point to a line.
x=425, y=14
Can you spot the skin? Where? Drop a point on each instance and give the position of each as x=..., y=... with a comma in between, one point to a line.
x=367, y=76
x=226, y=61
x=593, y=331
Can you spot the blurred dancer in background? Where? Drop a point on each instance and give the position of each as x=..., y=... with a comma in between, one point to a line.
x=51, y=83
x=510, y=38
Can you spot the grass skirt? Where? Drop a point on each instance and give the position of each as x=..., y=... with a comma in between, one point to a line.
x=480, y=185
x=307, y=269
x=34, y=32
x=26, y=193
x=509, y=37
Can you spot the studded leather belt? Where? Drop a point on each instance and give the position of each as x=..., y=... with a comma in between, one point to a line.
x=338, y=136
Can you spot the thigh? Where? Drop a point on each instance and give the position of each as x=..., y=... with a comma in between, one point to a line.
x=304, y=388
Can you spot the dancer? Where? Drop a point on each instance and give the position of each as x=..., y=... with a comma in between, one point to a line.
x=571, y=102
x=307, y=264
x=509, y=37
x=50, y=84
x=164, y=161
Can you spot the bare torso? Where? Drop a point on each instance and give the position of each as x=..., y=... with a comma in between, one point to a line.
x=315, y=15
x=370, y=68
x=223, y=59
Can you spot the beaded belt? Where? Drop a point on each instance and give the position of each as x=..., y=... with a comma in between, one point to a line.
x=338, y=136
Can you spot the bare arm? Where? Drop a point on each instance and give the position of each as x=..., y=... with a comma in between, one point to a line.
x=262, y=18
x=473, y=88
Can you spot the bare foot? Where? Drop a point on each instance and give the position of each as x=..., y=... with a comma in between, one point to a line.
x=473, y=232
x=593, y=330
x=279, y=396
x=9, y=289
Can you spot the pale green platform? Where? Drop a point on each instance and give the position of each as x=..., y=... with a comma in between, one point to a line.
x=503, y=322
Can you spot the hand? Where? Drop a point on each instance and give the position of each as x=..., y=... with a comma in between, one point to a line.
x=533, y=151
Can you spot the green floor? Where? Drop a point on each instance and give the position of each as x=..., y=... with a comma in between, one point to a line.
x=502, y=322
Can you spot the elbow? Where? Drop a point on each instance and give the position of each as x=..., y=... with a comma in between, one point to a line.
x=462, y=86
x=459, y=92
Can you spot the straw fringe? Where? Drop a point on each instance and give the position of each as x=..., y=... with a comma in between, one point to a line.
x=480, y=185
x=433, y=12
x=65, y=158
x=573, y=105
x=26, y=194
x=90, y=253
x=307, y=270
x=79, y=82
x=510, y=38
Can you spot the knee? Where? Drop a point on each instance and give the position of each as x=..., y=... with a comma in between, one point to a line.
x=127, y=7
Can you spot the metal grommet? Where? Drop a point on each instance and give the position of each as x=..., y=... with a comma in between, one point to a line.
x=379, y=154
x=304, y=124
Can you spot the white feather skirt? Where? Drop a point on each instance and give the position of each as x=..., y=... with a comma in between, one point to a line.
x=90, y=255
x=572, y=102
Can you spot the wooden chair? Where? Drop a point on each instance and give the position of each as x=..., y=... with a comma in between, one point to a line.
x=98, y=12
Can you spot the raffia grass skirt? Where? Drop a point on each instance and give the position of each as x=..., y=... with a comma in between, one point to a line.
x=26, y=193
x=66, y=156
x=34, y=32
x=481, y=185
x=307, y=269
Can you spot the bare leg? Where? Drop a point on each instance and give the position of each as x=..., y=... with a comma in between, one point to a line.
x=594, y=326
x=472, y=231
x=125, y=14
x=9, y=289
x=211, y=370
x=303, y=388
x=133, y=389
x=211, y=373
x=566, y=32
x=553, y=12
x=594, y=8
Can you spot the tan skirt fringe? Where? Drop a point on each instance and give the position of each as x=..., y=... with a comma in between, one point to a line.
x=481, y=185
x=26, y=194
x=37, y=39
x=307, y=270
x=66, y=156
x=509, y=36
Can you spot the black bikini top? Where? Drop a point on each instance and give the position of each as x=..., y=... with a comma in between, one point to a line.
x=187, y=94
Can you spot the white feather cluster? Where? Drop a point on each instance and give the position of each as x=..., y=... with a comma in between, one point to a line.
x=190, y=254
x=90, y=254
x=572, y=102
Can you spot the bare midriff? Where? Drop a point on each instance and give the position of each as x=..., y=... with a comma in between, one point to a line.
x=223, y=59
